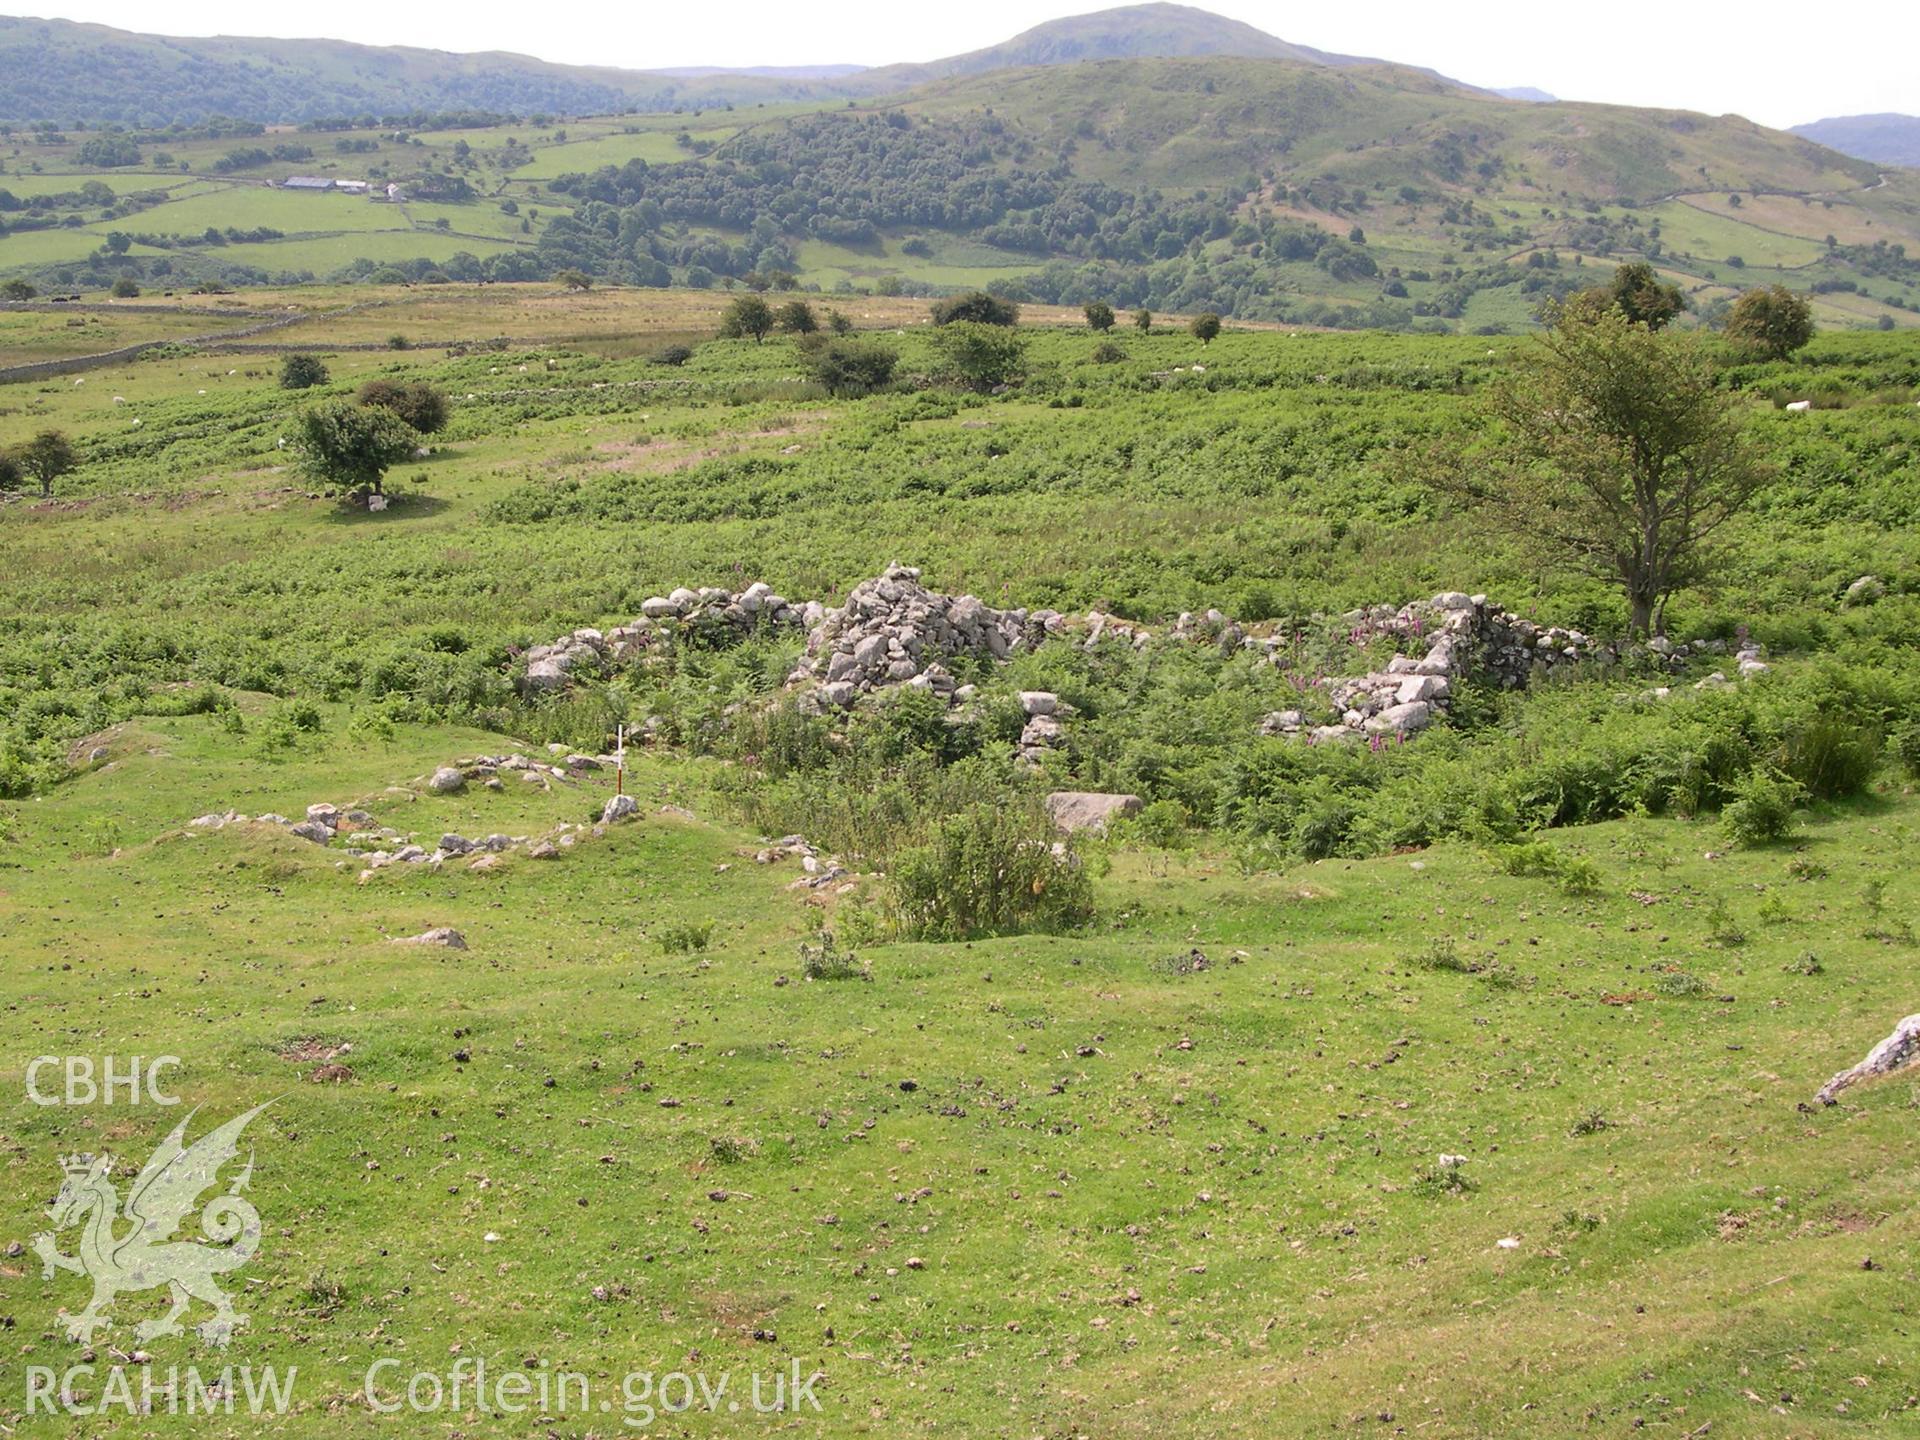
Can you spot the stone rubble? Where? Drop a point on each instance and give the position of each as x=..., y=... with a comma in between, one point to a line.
x=895, y=631
x=706, y=610
x=1465, y=638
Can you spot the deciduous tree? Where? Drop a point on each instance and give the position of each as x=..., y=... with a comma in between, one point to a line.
x=747, y=315
x=341, y=443
x=1770, y=323
x=1615, y=450
x=46, y=457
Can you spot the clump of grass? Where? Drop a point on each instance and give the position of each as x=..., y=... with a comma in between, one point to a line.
x=325, y=1294
x=1576, y=874
x=1191, y=963
x=826, y=961
x=683, y=937
x=1591, y=1123
x=1774, y=910
x=1438, y=1181
x=1578, y=1222
x=1805, y=867
x=732, y=1149
x=1762, y=811
x=1807, y=964
x=1442, y=954
x=1722, y=929
x=1680, y=985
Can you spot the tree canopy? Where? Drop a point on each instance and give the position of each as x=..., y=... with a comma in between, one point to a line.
x=1770, y=323
x=341, y=443
x=1615, y=450
x=747, y=315
x=46, y=457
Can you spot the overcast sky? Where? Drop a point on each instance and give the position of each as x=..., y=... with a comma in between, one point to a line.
x=1776, y=63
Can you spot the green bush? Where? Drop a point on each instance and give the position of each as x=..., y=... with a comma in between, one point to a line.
x=979, y=357
x=682, y=937
x=302, y=372
x=975, y=307
x=823, y=960
x=989, y=870
x=851, y=368
x=1831, y=758
x=1762, y=810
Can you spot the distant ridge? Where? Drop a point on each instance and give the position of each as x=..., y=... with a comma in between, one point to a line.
x=1884, y=139
x=1527, y=92
x=63, y=71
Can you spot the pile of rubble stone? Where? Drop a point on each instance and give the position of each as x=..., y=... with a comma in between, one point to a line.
x=895, y=631
x=708, y=609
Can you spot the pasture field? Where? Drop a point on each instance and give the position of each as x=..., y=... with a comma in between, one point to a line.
x=1170, y=1168
x=1709, y=235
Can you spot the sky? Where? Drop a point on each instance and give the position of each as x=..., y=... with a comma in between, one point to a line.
x=1774, y=63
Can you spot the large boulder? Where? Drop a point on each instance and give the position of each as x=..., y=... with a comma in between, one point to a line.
x=447, y=780
x=1405, y=719
x=1075, y=810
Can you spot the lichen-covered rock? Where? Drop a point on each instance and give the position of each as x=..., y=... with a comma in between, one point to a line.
x=1076, y=810
x=1897, y=1052
x=447, y=780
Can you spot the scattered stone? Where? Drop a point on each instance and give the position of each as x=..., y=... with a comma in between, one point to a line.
x=542, y=850
x=447, y=780
x=1865, y=590
x=619, y=807
x=444, y=935
x=312, y=830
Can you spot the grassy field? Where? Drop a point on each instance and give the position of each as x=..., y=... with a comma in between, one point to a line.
x=1058, y=1183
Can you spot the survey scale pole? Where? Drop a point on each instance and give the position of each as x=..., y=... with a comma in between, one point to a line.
x=620, y=760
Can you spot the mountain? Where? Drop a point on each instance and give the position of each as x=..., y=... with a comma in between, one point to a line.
x=1883, y=139
x=1131, y=32
x=63, y=71
x=1526, y=92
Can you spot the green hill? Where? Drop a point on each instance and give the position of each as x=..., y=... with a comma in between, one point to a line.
x=1130, y=32
x=1325, y=191
x=59, y=70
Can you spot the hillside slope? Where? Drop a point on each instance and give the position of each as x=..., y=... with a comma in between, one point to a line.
x=60, y=70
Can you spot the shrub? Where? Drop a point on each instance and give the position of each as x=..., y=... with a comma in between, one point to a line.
x=823, y=960
x=1831, y=758
x=1441, y=954
x=975, y=307
x=1680, y=985
x=1108, y=353
x=989, y=870
x=421, y=405
x=1577, y=874
x=125, y=288
x=302, y=372
x=746, y=315
x=796, y=317
x=682, y=937
x=1205, y=327
x=980, y=356
x=1762, y=811
x=673, y=355
x=1099, y=315
x=1906, y=748
x=851, y=368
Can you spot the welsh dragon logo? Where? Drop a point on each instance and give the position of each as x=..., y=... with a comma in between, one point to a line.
x=146, y=1256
